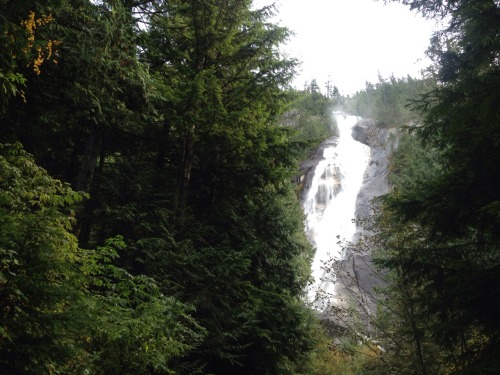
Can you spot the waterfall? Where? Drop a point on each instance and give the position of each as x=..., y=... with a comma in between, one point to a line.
x=330, y=203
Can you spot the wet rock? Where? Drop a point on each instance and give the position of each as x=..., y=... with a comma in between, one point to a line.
x=356, y=274
x=375, y=182
x=308, y=166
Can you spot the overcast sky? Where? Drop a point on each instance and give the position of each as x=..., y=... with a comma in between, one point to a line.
x=349, y=41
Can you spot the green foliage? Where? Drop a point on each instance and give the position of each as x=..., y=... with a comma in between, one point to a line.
x=130, y=313
x=443, y=282
x=245, y=283
x=444, y=208
x=351, y=357
x=191, y=256
x=309, y=115
x=439, y=287
x=37, y=260
x=71, y=310
x=11, y=84
x=387, y=101
x=404, y=328
x=411, y=163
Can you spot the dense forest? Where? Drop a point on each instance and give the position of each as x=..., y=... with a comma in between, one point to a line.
x=148, y=219
x=387, y=101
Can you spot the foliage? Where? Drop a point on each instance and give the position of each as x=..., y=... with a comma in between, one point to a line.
x=130, y=313
x=191, y=256
x=436, y=233
x=23, y=35
x=437, y=311
x=37, y=275
x=346, y=356
x=67, y=309
x=309, y=115
x=460, y=208
x=387, y=101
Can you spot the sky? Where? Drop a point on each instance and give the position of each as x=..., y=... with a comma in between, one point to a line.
x=349, y=42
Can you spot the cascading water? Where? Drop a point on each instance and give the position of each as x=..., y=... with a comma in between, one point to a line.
x=330, y=205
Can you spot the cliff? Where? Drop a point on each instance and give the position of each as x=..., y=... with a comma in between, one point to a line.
x=356, y=276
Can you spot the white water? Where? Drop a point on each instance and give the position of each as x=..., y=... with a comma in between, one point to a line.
x=330, y=206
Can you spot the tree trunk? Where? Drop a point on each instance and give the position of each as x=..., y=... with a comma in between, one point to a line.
x=84, y=181
x=162, y=145
x=89, y=159
x=185, y=175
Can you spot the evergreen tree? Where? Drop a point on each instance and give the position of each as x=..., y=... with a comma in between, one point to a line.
x=387, y=101
x=455, y=263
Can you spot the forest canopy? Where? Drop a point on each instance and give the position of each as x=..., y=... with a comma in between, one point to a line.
x=148, y=220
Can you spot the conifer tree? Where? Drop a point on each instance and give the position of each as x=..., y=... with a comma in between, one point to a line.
x=455, y=263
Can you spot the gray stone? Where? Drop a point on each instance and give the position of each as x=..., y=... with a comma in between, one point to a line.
x=308, y=166
x=356, y=274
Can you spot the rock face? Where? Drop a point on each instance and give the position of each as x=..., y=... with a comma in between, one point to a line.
x=307, y=167
x=375, y=181
x=356, y=275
